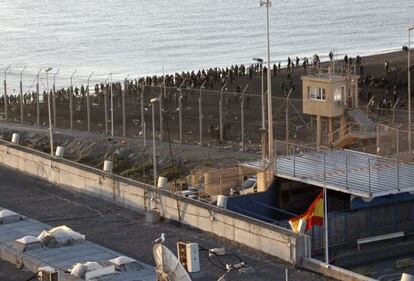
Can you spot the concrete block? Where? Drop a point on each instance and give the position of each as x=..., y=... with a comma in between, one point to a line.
x=12, y=256
x=31, y=264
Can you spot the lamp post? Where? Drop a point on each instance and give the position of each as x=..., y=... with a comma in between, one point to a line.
x=409, y=88
x=154, y=150
x=259, y=60
x=49, y=110
x=268, y=4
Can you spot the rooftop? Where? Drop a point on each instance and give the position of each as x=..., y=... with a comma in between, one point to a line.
x=63, y=258
x=125, y=231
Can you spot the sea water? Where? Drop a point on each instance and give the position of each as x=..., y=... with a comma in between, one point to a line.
x=139, y=37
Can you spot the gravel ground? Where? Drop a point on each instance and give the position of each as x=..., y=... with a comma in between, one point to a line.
x=123, y=230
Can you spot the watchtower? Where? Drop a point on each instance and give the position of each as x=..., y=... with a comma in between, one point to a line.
x=327, y=96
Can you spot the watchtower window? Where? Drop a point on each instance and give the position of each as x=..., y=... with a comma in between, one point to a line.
x=317, y=93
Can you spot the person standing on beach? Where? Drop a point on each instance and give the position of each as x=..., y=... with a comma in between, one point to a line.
x=274, y=70
x=386, y=66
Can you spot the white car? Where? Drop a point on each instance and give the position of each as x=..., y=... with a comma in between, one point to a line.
x=248, y=186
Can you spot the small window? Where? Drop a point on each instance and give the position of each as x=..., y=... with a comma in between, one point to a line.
x=317, y=94
x=338, y=94
x=322, y=94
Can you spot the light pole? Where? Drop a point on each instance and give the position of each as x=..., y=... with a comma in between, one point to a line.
x=409, y=88
x=49, y=110
x=54, y=97
x=268, y=4
x=263, y=129
x=259, y=60
x=154, y=150
x=6, y=102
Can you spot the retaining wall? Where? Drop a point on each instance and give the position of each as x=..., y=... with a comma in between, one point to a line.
x=268, y=238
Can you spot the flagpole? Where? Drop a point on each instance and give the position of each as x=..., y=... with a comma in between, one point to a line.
x=325, y=210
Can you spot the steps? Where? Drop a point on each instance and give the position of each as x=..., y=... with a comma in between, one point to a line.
x=366, y=125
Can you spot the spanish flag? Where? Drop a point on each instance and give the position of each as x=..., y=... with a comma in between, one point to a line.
x=313, y=216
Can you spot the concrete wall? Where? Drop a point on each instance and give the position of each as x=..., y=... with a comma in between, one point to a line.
x=333, y=271
x=270, y=239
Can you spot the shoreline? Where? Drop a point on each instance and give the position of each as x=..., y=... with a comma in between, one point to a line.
x=120, y=76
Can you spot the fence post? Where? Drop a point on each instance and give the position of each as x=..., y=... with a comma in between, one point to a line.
x=105, y=93
x=88, y=105
x=38, y=99
x=242, y=119
x=161, y=104
x=180, y=116
x=123, y=108
x=54, y=98
x=21, y=96
x=6, y=100
x=200, y=112
x=142, y=115
x=221, y=113
x=71, y=101
x=242, y=122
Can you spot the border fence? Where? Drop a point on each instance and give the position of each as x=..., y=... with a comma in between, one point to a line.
x=224, y=113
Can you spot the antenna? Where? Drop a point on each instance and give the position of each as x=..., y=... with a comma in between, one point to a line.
x=168, y=267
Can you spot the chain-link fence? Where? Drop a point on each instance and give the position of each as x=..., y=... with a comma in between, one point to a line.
x=395, y=142
x=217, y=114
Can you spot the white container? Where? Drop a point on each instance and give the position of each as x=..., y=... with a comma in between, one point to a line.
x=108, y=166
x=407, y=277
x=193, y=257
x=15, y=138
x=162, y=182
x=222, y=201
x=60, y=150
